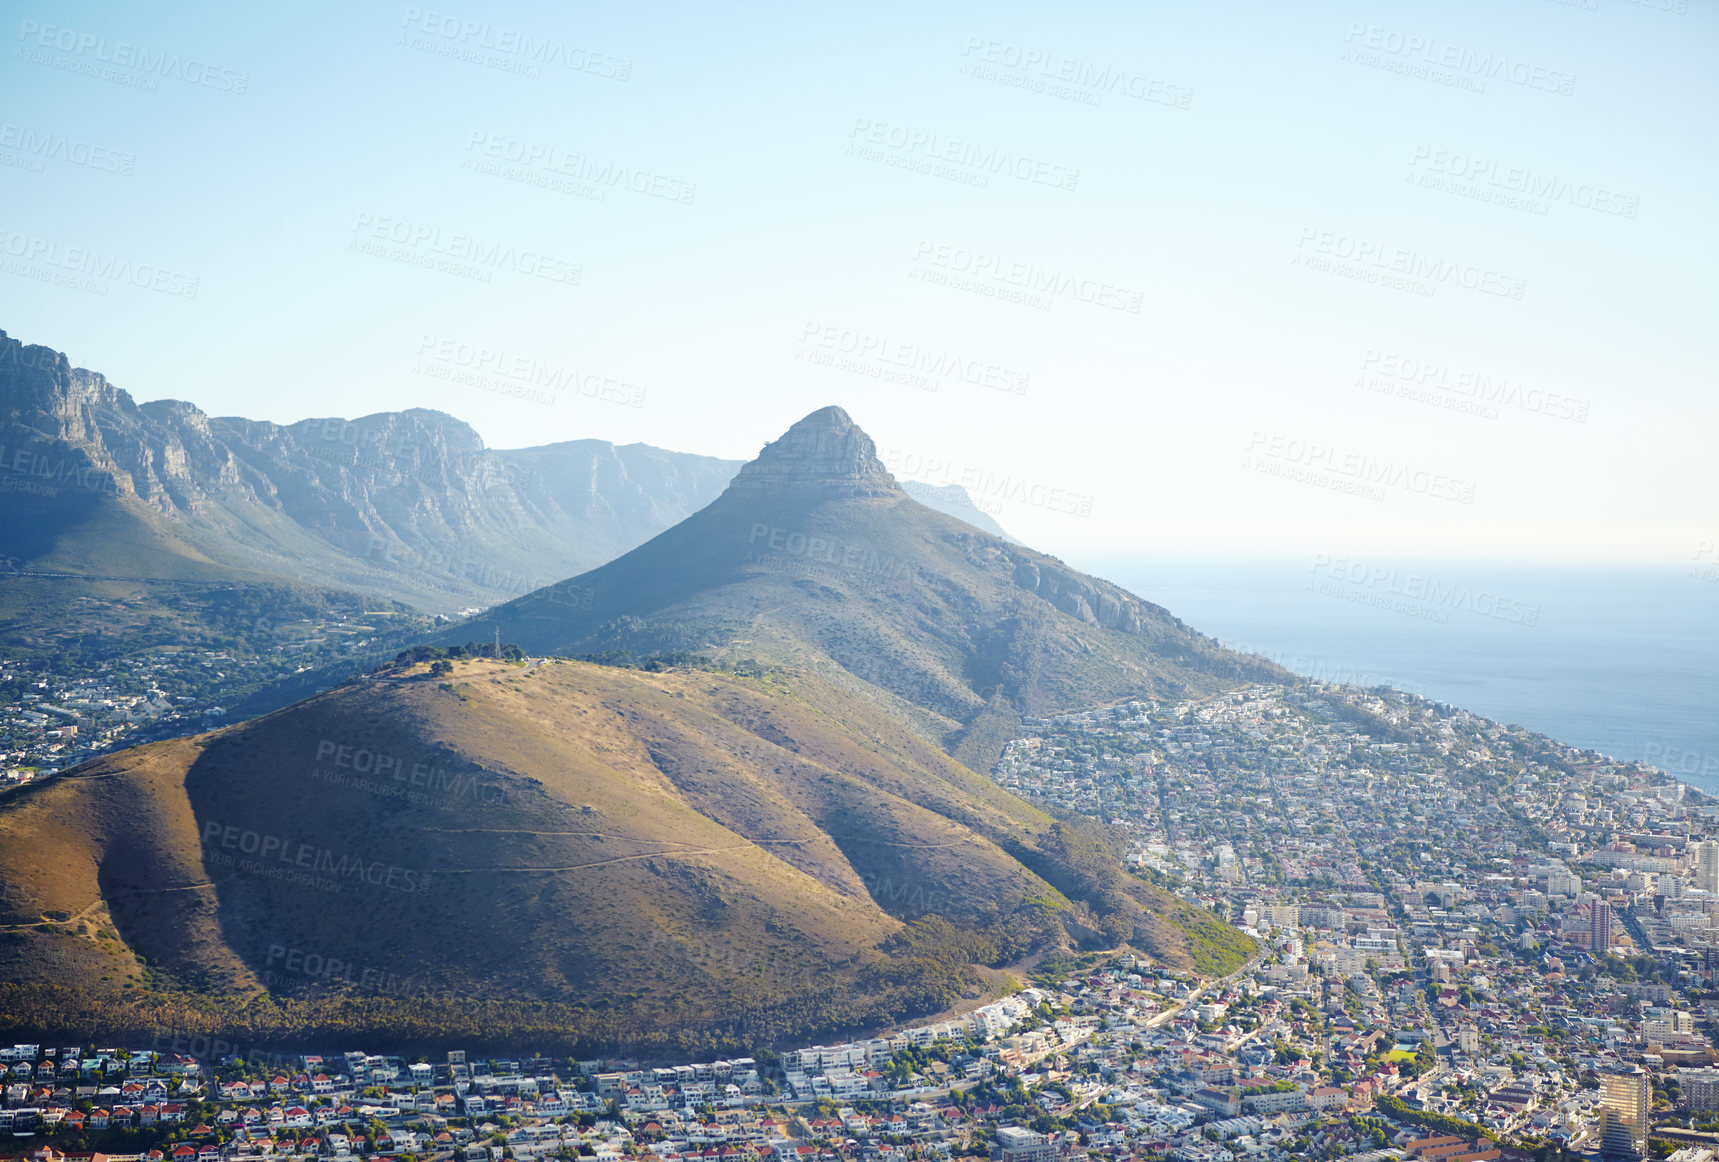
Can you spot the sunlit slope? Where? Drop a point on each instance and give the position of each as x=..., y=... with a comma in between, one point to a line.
x=610, y=842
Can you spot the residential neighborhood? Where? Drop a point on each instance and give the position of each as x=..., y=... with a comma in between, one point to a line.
x=1471, y=944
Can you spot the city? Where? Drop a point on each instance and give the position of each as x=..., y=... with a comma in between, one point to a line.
x=1472, y=943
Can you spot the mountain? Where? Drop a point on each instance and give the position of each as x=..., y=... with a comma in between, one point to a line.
x=753, y=813
x=408, y=505
x=558, y=852
x=954, y=500
x=814, y=557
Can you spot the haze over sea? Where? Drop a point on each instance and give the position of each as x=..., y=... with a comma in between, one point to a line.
x=1622, y=661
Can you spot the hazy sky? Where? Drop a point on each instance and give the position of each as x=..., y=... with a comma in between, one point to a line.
x=1258, y=279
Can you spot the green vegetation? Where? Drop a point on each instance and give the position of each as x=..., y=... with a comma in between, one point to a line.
x=1440, y=1123
x=1218, y=948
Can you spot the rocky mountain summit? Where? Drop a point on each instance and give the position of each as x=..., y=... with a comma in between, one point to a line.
x=814, y=556
x=407, y=505
x=823, y=457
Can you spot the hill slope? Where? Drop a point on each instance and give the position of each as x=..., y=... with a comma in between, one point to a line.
x=642, y=856
x=814, y=556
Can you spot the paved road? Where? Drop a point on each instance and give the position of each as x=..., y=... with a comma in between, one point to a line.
x=1193, y=997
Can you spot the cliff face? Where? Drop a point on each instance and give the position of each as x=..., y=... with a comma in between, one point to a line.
x=403, y=504
x=823, y=457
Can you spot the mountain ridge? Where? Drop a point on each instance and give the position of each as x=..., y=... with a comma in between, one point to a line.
x=777, y=761
x=408, y=505
x=815, y=557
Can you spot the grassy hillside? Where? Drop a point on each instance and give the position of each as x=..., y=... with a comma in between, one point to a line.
x=592, y=853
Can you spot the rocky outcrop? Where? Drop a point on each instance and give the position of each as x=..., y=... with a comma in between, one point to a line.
x=823, y=457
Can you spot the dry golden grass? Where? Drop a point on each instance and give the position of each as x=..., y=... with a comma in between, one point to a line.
x=570, y=832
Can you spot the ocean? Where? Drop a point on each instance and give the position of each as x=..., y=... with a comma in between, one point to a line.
x=1621, y=661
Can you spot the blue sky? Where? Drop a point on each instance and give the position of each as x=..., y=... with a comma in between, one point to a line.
x=1254, y=280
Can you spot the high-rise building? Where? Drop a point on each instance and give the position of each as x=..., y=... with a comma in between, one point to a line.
x=1700, y=1088
x=1627, y=1099
x=1707, y=866
x=1600, y=926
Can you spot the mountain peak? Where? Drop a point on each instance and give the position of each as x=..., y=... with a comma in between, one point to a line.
x=824, y=456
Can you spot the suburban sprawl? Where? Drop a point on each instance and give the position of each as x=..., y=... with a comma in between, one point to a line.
x=1472, y=943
